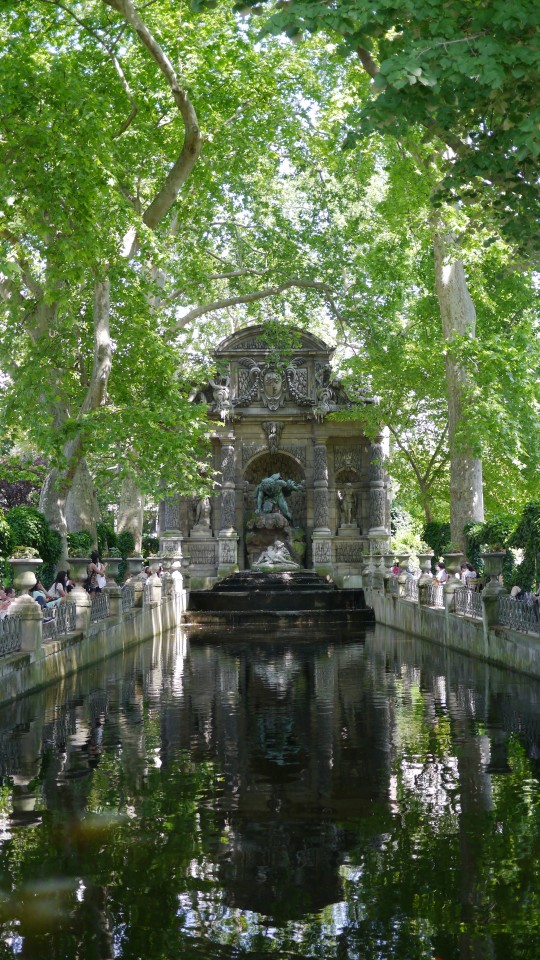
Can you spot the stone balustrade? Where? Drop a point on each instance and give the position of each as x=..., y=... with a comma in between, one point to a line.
x=40, y=646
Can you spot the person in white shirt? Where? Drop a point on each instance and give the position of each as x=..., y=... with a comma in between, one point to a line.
x=441, y=575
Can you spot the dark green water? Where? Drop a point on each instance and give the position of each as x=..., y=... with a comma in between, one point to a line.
x=370, y=798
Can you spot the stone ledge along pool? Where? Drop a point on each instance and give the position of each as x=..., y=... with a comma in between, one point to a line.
x=330, y=792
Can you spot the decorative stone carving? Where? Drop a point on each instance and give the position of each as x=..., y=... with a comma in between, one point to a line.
x=262, y=381
x=228, y=509
x=171, y=513
x=299, y=453
x=322, y=551
x=273, y=431
x=376, y=470
x=227, y=551
x=250, y=450
x=221, y=394
x=203, y=554
x=348, y=553
x=297, y=382
x=320, y=508
x=320, y=462
x=227, y=462
x=347, y=458
x=377, y=507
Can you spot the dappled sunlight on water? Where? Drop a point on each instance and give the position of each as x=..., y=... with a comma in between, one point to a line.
x=366, y=797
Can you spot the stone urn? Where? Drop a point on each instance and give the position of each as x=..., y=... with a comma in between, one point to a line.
x=493, y=564
x=154, y=563
x=425, y=563
x=25, y=572
x=403, y=559
x=113, y=568
x=389, y=561
x=77, y=567
x=452, y=562
x=135, y=564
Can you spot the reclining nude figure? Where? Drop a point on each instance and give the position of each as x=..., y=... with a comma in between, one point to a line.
x=275, y=554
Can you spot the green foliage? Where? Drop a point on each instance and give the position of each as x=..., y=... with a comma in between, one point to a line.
x=106, y=537
x=150, y=545
x=125, y=543
x=24, y=553
x=469, y=79
x=527, y=536
x=437, y=535
x=80, y=544
x=29, y=528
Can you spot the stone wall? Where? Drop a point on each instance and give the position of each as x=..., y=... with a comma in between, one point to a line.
x=494, y=643
x=41, y=663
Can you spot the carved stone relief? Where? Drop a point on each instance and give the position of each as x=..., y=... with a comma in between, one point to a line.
x=320, y=508
x=227, y=551
x=250, y=450
x=377, y=507
x=273, y=430
x=228, y=509
x=171, y=513
x=376, y=469
x=202, y=553
x=322, y=551
x=320, y=462
x=347, y=458
x=348, y=553
x=227, y=462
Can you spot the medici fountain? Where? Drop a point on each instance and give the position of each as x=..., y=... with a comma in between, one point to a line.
x=301, y=498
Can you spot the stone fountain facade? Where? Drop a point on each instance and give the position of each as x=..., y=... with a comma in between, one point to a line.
x=270, y=415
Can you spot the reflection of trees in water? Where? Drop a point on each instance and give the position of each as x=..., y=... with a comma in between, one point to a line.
x=279, y=782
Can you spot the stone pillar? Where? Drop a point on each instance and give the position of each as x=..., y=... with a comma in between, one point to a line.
x=31, y=617
x=152, y=591
x=227, y=554
x=322, y=542
x=169, y=512
x=83, y=606
x=228, y=491
x=114, y=593
x=138, y=589
x=377, y=492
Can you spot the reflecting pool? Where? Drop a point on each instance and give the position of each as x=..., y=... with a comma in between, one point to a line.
x=343, y=796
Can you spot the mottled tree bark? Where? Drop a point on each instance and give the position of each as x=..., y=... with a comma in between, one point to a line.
x=131, y=510
x=458, y=317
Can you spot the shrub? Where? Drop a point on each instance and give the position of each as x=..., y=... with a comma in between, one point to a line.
x=150, y=545
x=125, y=542
x=106, y=537
x=29, y=528
x=437, y=535
x=80, y=544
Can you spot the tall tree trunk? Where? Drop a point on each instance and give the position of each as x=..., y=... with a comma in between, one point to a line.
x=458, y=317
x=52, y=505
x=131, y=510
x=82, y=509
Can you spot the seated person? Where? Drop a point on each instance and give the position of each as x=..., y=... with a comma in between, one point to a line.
x=396, y=569
x=9, y=596
x=516, y=592
x=441, y=576
x=39, y=593
x=60, y=588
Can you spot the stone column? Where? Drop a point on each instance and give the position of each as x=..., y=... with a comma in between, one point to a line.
x=228, y=491
x=170, y=540
x=152, y=591
x=322, y=542
x=377, y=492
x=228, y=537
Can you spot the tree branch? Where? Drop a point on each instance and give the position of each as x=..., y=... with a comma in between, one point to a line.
x=250, y=298
x=191, y=146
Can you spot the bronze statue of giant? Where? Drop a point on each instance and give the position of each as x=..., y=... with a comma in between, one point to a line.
x=271, y=492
